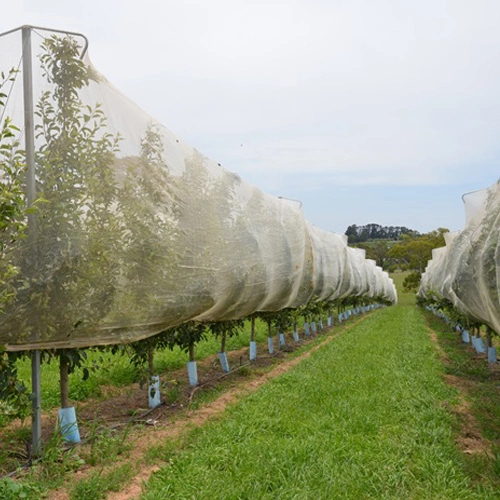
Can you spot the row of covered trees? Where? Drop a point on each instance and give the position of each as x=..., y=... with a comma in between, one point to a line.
x=462, y=278
x=140, y=240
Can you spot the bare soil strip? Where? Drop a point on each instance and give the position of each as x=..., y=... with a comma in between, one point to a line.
x=470, y=440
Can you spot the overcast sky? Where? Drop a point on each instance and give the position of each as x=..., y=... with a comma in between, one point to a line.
x=382, y=111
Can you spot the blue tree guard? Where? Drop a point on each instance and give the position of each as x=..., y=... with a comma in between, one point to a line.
x=223, y=361
x=192, y=373
x=270, y=345
x=253, y=350
x=480, y=346
x=281, y=340
x=154, y=391
x=492, y=354
x=465, y=336
x=69, y=425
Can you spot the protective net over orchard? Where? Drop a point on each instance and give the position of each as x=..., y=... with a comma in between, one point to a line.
x=134, y=231
x=467, y=270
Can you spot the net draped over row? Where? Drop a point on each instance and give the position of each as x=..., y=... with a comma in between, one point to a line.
x=467, y=270
x=137, y=232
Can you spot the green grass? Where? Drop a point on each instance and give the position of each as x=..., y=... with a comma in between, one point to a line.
x=364, y=417
x=98, y=484
x=404, y=299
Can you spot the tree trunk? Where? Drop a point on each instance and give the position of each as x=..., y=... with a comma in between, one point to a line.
x=151, y=353
x=223, y=343
x=252, y=329
x=488, y=337
x=64, y=379
x=191, y=351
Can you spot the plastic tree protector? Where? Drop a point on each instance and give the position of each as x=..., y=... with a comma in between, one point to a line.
x=138, y=232
x=467, y=270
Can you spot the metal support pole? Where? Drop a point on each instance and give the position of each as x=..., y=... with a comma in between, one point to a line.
x=29, y=129
x=29, y=135
x=36, y=401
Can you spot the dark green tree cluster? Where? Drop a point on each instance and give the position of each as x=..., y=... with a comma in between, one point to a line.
x=378, y=251
x=413, y=252
x=360, y=234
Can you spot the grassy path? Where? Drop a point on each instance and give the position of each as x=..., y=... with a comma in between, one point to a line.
x=367, y=416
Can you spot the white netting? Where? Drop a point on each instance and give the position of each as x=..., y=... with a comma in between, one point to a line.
x=138, y=232
x=467, y=270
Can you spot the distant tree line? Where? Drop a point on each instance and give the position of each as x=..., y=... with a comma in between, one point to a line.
x=360, y=234
x=394, y=247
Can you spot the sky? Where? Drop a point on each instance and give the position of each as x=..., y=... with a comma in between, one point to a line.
x=366, y=111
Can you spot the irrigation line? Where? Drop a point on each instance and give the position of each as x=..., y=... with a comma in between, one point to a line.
x=287, y=348
x=209, y=381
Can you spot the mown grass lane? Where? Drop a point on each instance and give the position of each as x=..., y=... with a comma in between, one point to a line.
x=365, y=417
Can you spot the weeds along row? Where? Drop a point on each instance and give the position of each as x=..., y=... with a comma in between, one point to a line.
x=479, y=335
